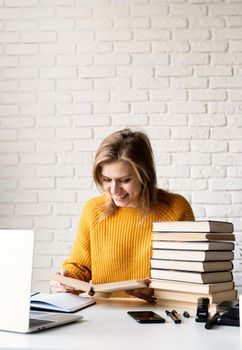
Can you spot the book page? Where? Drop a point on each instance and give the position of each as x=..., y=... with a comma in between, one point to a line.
x=72, y=282
x=65, y=302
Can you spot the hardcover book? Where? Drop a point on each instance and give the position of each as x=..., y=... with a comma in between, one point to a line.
x=193, y=226
x=207, y=288
x=192, y=236
x=192, y=255
x=184, y=305
x=199, y=266
x=195, y=277
x=186, y=245
x=193, y=297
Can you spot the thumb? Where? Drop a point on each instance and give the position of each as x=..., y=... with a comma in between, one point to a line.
x=63, y=272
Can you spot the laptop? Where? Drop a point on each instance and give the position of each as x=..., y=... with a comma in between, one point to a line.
x=16, y=261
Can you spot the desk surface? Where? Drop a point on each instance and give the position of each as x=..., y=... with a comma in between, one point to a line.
x=106, y=326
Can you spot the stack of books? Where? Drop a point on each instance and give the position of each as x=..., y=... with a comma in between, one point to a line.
x=190, y=260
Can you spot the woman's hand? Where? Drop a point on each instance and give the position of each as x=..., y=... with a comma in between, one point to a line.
x=146, y=294
x=57, y=287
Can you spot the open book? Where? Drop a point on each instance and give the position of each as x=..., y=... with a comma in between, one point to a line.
x=60, y=302
x=91, y=289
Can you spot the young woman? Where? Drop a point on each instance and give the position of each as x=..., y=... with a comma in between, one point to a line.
x=113, y=241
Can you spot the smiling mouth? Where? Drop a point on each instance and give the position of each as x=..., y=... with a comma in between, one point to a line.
x=119, y=197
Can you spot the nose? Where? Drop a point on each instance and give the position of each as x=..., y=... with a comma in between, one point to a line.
x=114, y=187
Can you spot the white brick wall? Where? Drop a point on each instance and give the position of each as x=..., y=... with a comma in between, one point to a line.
x=73, y=71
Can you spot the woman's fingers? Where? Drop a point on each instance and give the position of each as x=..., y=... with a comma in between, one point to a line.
x=144, y=293
x=57, y=287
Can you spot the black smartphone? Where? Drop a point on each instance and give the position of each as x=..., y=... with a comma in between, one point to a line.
x=146, y=316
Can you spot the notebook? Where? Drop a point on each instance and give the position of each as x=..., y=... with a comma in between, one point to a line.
x=16, y=261
x=60, y=302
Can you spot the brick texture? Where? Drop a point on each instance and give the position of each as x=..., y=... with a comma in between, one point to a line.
x=71, y=72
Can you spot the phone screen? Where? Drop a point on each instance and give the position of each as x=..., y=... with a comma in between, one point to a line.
x=146, y=317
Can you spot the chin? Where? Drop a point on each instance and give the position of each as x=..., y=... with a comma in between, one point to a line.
x=121, y=204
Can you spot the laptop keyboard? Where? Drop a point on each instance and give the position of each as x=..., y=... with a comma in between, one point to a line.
x=37, y=322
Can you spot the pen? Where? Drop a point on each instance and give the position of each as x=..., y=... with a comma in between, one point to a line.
x=210, y=323
x=174, y=316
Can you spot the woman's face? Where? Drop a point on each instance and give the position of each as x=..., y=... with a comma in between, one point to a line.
x=121, y=181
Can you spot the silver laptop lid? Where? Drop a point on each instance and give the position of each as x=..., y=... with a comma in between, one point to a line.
x=16, y=259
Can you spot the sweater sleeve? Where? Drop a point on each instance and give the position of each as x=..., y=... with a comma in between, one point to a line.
x=78, y=265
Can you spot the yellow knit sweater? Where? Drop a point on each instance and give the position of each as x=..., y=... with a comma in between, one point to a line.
x=119, y=247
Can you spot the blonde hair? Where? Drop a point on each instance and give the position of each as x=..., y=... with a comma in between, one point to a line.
x=134, y=148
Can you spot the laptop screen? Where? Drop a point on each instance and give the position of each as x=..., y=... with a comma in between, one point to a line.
x=16, y=259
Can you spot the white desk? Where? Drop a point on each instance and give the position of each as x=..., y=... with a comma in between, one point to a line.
x=106, y=326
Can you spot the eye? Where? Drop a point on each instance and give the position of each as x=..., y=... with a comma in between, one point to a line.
x=106, y=179
x=125, y=180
